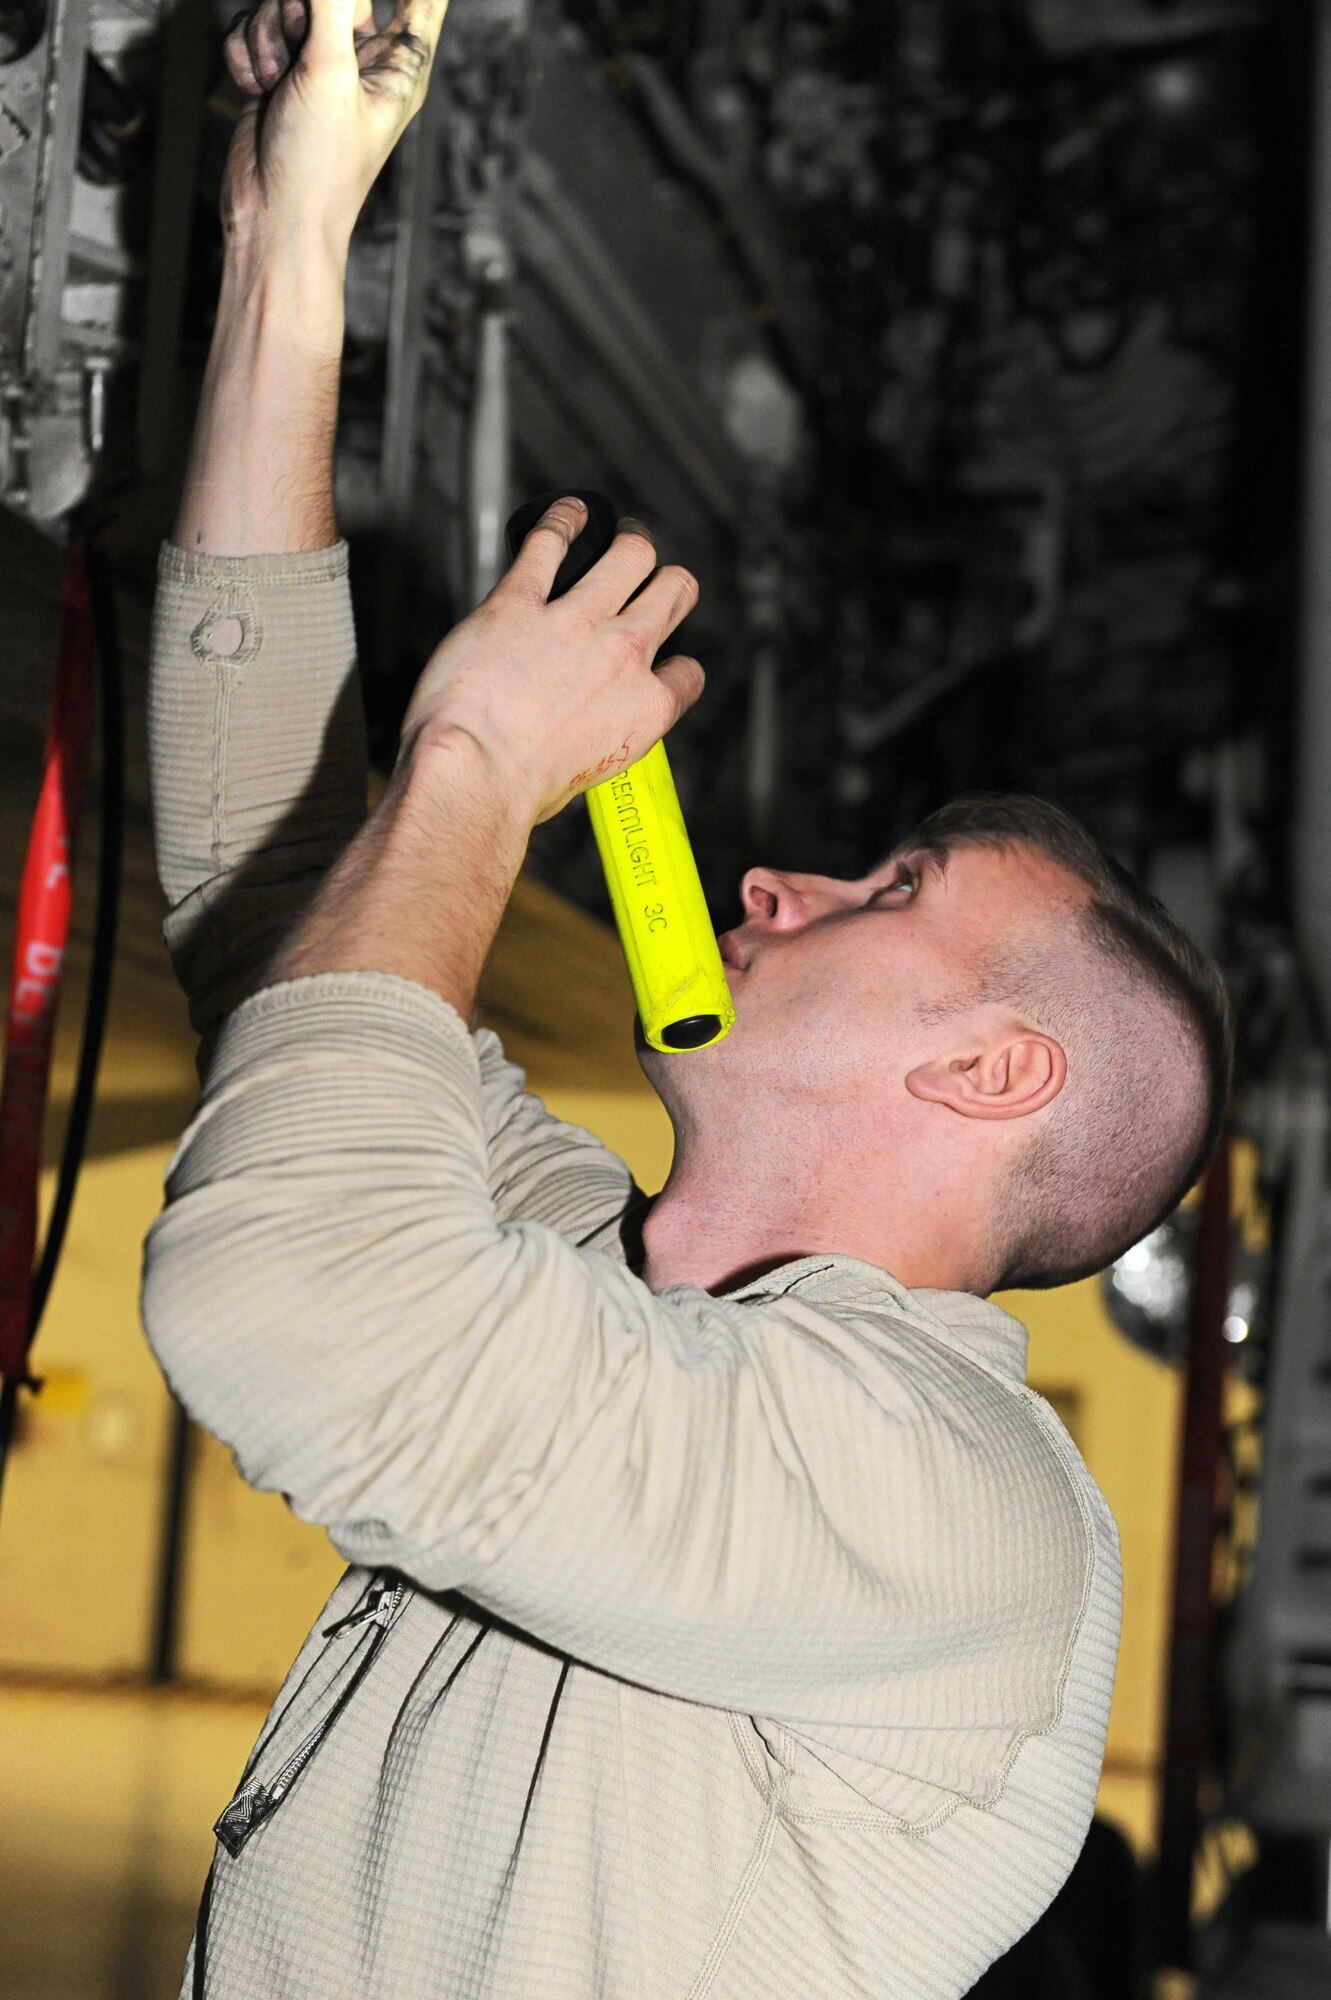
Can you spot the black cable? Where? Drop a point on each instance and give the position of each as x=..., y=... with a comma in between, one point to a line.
x=8, y=1412
x=101, y=587
x=171, y=1560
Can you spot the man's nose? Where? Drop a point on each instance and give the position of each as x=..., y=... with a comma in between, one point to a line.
x=786, y=902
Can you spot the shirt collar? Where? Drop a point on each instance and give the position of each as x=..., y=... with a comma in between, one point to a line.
x=982, y=1329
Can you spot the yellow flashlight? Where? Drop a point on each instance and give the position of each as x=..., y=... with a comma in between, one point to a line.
x=660, y=911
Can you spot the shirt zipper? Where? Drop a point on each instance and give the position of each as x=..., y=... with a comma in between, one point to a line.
x=256, y=1802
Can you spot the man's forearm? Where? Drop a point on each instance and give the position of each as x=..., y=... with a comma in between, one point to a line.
x=255, y=730
x=421, y=890
x=260, y=474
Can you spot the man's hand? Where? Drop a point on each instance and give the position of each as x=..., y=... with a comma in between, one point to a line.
x=523, y=705
x=332, y=97
x=559, y=696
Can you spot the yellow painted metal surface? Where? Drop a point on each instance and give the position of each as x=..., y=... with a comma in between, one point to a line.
x=1123, y=1409
x=106, y=1806
x=83, y=1497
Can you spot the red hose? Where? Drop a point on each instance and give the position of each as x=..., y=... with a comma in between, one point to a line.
x=40, y=935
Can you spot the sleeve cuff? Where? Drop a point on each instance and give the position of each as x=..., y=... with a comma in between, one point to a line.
x=345, y=1013
x=177, y=565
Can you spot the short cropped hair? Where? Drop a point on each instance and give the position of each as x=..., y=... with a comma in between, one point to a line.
x=1145, y=1018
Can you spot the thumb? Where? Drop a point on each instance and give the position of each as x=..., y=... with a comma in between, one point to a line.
x=330, y=37
x=683, y=679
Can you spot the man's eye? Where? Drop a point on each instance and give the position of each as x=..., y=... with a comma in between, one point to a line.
x=905, y=878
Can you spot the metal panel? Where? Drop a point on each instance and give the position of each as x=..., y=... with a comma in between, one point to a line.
x=68, y=51
x=23, y=87
x=1281, y=1674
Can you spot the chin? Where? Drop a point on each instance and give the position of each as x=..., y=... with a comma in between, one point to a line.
x=649, y=1059
x=668, y=1072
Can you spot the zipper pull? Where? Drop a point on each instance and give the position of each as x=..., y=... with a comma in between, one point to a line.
x=377, y=1609
x=257, y=1802
x=244, y=1816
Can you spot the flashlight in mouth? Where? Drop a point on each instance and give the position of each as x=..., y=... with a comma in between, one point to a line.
x=660, y=911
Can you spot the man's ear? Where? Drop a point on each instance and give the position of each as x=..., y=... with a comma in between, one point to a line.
x=1010, y=1077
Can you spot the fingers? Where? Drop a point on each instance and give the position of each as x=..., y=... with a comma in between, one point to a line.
x=236, y=54
x=332, y=29
x=536, y=564
x=270, y=58
x=624, y=568
x=262, y=43
x=295, y=19
x=648, y=620
x=683, y=680
x=403, y=50
x=664, y=604
x=421, y=21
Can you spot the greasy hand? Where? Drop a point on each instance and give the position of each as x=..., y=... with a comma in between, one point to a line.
x=563, y=695
x=332, y=95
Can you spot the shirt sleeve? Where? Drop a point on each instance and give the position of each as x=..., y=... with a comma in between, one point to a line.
x=257, y=750
x=712, y=1497
x=259, y=772
x=540, y=1165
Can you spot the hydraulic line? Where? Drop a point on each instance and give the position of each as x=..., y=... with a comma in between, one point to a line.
x=89, y=654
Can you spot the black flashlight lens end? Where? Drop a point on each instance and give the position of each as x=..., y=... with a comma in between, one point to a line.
x=693, y=1032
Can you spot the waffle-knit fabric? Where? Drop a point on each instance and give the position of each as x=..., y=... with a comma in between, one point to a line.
x=755, y=1646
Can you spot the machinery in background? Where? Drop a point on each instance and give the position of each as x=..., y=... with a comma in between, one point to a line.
x=923, y=332
x=97, y=167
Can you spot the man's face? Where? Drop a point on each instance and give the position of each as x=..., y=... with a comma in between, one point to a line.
x=842, y=985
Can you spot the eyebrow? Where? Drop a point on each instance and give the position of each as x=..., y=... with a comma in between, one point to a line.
x=927, y=858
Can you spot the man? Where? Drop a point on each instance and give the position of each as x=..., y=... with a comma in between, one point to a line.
x=725, y=1616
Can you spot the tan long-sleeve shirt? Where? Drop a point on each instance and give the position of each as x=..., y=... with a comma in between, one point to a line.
x=748, y=1646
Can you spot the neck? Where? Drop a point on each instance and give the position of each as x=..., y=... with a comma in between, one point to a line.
x=724, y=1218
x=706, y=1227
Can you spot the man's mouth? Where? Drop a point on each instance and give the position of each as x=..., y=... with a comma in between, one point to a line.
x=729, y=951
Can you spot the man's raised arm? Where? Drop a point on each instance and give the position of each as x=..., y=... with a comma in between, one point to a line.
x=257, y=738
